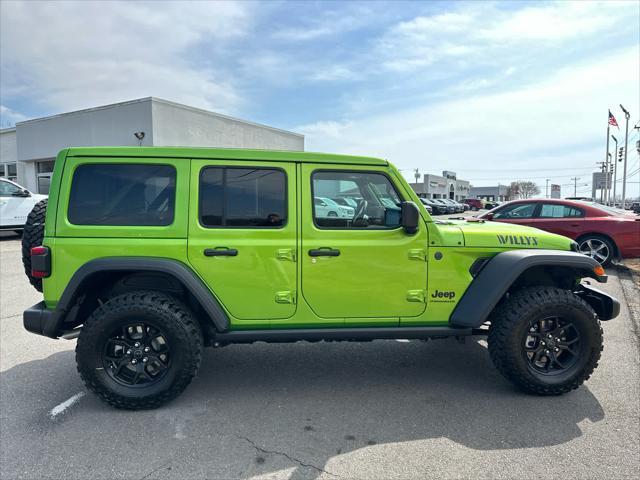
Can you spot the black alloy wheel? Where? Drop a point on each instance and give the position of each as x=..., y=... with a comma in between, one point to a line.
x=552, y=345
x=138, y=354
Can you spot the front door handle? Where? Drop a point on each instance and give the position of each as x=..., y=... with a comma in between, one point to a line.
x=220, y=252
x=324, y=252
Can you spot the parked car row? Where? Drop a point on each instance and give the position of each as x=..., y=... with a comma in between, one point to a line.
x=443, y=206
x=603, y=233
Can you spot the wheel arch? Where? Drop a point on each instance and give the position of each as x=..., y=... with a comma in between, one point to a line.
x=110, y=276
x=515, y=269
x=616, y=252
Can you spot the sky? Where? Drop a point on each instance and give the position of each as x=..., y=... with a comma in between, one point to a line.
x=495, y=91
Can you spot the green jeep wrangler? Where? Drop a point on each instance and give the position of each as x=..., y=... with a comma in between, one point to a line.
x=147, y=255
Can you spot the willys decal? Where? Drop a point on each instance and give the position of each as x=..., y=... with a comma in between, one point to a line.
x=517, y=240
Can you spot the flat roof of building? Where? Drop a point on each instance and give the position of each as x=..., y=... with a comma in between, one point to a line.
x=222, y=153
x=157, y=100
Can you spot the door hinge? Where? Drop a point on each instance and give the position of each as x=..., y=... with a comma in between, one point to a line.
x=286, y=296
x=418, y=254
x=416, y=296
x=286, y=254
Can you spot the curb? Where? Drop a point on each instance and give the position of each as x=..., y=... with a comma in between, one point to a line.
x=628, y=280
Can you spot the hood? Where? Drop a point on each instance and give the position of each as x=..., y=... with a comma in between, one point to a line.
x=481, y=233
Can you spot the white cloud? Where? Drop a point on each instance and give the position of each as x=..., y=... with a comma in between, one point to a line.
x=67, y=55
x=331, y=22
x=480, y=32
x=550, y=124
x=558, y=21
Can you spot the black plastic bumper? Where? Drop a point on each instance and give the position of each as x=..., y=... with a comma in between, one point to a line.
x=606, y=306
x=42, y=321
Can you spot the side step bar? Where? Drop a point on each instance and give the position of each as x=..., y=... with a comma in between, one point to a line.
x=341, y=334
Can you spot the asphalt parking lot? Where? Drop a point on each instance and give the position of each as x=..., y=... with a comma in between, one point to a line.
x=385, y=409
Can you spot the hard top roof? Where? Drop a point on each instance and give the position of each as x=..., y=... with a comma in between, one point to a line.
x=223, y=153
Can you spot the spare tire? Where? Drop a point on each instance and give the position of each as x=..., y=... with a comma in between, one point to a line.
x=32, y=236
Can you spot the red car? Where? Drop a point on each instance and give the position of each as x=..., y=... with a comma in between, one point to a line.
x=602, y=232
x=474, y=203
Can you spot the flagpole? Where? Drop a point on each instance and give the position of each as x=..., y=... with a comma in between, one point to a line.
x=606, y=162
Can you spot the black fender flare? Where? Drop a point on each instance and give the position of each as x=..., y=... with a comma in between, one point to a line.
x=175, y=268
x=500, y=272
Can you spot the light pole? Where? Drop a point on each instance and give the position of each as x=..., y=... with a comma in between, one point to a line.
x=624, y=168
x=615, y=170
x=546, y=190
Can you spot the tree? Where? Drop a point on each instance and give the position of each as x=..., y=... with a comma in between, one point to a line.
x=522, y=189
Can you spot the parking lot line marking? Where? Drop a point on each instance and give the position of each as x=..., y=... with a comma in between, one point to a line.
x=61, y=408
x=402, y=340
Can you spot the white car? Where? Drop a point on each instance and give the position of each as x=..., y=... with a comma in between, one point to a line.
x=16, y=203
x=325, y=207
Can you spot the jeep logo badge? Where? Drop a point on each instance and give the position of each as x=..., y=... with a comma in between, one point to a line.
x=439, y=296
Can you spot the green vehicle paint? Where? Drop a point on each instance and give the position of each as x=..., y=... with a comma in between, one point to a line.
x=382, y=277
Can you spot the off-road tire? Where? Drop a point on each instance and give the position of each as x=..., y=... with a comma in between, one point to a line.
x=166, y=313
x=510, y=322
x=32, y=236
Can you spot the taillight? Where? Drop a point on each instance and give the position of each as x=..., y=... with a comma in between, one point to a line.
x=40, y=262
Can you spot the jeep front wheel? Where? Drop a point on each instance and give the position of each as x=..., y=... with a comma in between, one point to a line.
x=139, y=350
x=545, y=340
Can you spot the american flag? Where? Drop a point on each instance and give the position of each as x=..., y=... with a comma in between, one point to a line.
x=612, y=120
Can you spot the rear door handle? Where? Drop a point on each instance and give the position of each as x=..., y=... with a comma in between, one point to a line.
x=220, y=252
x=324, y=252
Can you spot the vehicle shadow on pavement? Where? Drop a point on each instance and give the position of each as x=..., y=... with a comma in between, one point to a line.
x=9, y=235
x=259, y=409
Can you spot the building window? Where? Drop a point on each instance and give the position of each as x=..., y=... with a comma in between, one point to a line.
x=122, y=195
x=44, y=170
x=243, y=197
x=9, y=171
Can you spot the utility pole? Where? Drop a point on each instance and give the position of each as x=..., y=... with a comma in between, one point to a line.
x=624, y=168
x=575, y=185
x=615, y=170
x=546, y=190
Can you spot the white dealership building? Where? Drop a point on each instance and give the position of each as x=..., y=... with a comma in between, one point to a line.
x=28, y=150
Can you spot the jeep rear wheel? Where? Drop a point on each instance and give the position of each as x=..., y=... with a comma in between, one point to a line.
x=139, y=350
x=32, y=236
x=545, y=340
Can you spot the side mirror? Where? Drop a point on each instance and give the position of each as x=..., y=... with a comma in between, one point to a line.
x=22, y=193
x=488, y=216
x=409, y=217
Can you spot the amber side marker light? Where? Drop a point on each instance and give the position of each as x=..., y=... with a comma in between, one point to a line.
x=599, y=270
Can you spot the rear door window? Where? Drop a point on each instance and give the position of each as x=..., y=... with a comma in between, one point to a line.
x=121, y=194
x=554, y=210
x=243, y=197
